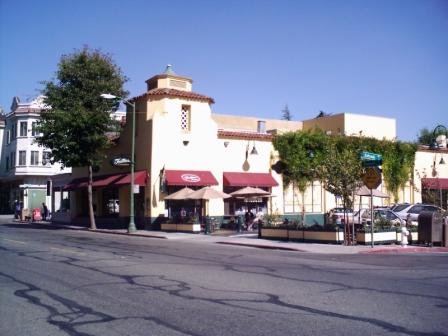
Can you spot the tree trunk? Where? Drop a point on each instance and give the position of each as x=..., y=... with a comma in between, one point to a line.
x=90, y=199
x=303, y=207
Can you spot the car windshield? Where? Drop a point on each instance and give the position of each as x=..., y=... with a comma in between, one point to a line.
x=398, y=208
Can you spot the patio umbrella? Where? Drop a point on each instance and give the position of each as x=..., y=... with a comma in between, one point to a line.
x=180, y=194
x=249, y=192
x=207, y=193
x=364, y=191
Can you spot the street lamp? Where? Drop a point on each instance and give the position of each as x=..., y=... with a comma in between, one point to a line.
x=131, y=226
x=439, y=131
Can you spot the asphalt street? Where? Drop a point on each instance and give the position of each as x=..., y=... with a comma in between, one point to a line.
x=63, y=282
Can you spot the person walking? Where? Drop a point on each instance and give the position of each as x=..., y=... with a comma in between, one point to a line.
x=44, y=212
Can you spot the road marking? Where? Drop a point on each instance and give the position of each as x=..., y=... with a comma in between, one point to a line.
x=69, y=251
x=14, y=241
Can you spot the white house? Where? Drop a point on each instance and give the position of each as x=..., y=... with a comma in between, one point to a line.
x=25, y=170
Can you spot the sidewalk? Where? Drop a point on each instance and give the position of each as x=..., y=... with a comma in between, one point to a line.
x=251, y=240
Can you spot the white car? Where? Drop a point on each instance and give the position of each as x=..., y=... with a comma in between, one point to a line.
x=363, y=216
x=413, y=210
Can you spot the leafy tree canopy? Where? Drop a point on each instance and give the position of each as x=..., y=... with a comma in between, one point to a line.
x=335, y=161
x=75, y=127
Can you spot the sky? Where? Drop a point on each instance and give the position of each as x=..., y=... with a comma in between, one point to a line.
x=384, y=58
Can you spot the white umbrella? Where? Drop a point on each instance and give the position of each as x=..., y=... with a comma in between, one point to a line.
x=364, y=191
x=180, y=194
x=248, y=192
x=207, y=193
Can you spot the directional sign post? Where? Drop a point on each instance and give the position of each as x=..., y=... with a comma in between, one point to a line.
x=372, y=177
x=372, y=180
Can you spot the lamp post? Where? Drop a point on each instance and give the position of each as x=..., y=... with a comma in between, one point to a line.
x=131, y=226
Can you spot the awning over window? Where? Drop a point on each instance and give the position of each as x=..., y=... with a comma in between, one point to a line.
x=140, y=178
x=108, y=180
x=189, y=178
x=249, y=180
x=435, y=183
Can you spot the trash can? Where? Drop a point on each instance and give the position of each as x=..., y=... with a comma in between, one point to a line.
x=430, y=227
x=37, y=215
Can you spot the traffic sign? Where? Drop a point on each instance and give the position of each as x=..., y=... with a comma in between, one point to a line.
x=369, y=156
x=372, y=177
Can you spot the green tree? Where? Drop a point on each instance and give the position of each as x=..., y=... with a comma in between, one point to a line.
x=286, y=114
x=425, y=137
x=341, y=172
x=76, y=125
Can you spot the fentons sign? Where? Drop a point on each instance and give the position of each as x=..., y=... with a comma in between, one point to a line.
x=121, y=161
x=192, y=178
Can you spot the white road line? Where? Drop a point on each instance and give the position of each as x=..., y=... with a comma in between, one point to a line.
x=15, y=241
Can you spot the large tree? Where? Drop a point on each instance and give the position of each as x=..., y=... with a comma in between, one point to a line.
x=75, y=127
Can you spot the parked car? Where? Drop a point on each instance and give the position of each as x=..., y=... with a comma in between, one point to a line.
x=413, y=210
x=336, y=215
x=363, y=216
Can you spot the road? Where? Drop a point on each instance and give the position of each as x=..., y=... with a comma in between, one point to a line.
x=63, y=282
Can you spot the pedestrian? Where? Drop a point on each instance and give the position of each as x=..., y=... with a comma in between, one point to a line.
x=44, y=211
x=183, y=215
x=16, y=209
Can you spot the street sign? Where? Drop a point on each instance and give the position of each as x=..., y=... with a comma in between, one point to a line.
x=369, y=156
x=372, y=177
x=372, y=163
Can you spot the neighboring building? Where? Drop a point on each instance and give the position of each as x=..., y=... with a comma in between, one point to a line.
x=430, y=182
x=25, y=170
x=350, y=124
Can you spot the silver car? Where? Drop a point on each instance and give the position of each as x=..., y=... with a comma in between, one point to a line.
x=413, y=210
x=363, y=216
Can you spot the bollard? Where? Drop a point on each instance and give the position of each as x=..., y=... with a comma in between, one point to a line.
x=404, y=236
x=445, y=233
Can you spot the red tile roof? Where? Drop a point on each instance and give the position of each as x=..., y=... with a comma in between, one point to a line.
x=226, y=134
x=176, y=93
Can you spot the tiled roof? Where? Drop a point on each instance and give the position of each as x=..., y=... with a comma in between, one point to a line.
x=175, y=93
x=243, y=135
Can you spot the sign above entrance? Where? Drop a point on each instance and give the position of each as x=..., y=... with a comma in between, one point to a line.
x=191, y=178
x=121, y=161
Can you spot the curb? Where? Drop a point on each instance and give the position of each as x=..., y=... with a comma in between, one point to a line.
x=402, y=250
x=267, y=247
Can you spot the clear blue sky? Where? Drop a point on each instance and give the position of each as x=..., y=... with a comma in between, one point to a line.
x=377, y=57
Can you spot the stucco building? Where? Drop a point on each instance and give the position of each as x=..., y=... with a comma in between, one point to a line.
x=180, y=142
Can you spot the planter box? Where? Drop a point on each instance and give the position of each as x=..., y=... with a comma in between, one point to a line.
x=296, y=234
x=414, y=237
x=324, y=236
x=193, y=228
x=274, y=233
x=378, y=237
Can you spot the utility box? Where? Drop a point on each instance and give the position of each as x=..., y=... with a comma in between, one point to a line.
x=430, y=227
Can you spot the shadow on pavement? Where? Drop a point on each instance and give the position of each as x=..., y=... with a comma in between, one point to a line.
x=26, y=225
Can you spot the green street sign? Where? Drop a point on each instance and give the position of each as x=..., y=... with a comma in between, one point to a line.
x=372, y=163
x=369, y=156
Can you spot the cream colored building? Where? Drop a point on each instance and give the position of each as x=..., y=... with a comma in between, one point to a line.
x=180, y=142
x=351, y=124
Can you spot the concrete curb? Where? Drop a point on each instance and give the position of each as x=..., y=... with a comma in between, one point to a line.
x=268, y=247
x=410, y=249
